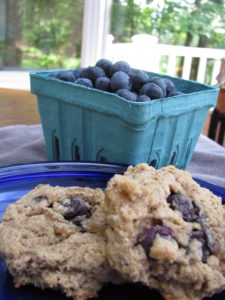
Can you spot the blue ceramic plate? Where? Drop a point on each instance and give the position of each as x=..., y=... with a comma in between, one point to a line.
x=15, y=181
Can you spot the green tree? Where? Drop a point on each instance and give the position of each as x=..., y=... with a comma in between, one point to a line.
x=197, y=23
x=191, y=23
x=11, y=44
x=128, y=19
x=52, y=32
x=118, y=22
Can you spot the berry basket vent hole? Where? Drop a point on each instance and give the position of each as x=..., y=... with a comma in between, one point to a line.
x=174, y=156
x=55, y=146
x=100, y=157
x=153, y=163
x=75, y=151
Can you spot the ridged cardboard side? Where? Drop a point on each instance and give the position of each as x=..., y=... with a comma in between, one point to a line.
x=86, y=124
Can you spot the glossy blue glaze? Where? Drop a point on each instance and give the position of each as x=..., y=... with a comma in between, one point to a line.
x=15, y=181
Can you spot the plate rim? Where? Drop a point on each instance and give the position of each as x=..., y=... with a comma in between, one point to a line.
x=10, y=171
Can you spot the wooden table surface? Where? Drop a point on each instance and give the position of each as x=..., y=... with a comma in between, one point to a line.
x=18, y=107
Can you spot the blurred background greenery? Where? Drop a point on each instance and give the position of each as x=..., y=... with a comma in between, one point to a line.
x=48, y=33
x=42, y=33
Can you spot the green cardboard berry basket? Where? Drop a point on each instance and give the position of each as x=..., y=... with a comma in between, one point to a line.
x=86, y=124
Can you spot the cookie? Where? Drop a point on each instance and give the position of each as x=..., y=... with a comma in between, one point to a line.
x=166, y=231
x=53, y=237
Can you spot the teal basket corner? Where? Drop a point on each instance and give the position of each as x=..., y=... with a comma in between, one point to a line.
x=82, y=124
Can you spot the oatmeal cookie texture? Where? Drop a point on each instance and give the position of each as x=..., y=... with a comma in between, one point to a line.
x=53, y=238
x=165, y=231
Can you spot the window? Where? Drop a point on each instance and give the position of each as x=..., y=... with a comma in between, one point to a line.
x=40, y=34
x=44, y=34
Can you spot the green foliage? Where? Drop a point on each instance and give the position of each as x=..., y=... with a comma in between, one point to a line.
x=49, y=35
x=52, y=29
x=196, y=23
x=188, y=19
x=52, y=33
x=35, y=58
x=2, y=51
x=183, y=22
x=128, y=19
x=118, y=21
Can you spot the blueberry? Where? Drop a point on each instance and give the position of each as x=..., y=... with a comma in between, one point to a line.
x=152, y=90
x=84, y=81
x=202, y=237
x=135, y=95
x=92, y=73
x=76, y=208
x=138, y=79
x=120, y=80
x=147, y=237
x=65, y=76
x=53, y=74
x=143, y=98
x=174, y=93
x=120, y=66
x=132, y=75
x=184, y=205
x=76, y=72
x=160, y=82
x=170, y=86
x=105, y=64
x=103, y=83
x=126, y=94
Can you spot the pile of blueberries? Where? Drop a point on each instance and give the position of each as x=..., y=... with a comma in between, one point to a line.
x=131, y=84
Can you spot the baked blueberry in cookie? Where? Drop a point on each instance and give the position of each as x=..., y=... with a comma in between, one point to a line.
x=166, y=231
x=53, y=238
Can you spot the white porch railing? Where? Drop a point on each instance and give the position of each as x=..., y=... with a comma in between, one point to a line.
x=145, y=53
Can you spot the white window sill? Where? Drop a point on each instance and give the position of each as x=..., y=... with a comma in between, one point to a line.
x=18, y=80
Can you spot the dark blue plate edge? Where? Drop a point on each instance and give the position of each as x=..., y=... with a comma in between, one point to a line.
x=85, y=162
x=12, y=171
x=9, y=170
x=217, y=190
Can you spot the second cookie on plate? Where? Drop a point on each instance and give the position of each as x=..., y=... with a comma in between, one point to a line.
x=53, y=237
x=166, y=232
